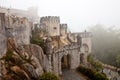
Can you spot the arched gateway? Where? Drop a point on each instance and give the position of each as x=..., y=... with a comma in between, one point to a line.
x=65, y=62
x=69, y=56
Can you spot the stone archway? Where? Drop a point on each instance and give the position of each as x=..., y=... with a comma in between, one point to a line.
x=65, y=62
x=85, y=48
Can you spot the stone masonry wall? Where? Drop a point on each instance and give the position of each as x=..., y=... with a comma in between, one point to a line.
x=3, y=44
x=56, y=57
x=13, y=26
x=21, y=29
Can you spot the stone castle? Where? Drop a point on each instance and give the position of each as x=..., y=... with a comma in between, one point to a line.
x=64, y=49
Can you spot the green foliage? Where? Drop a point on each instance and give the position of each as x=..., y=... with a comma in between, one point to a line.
x=106, y=43
x=97, y=65
x=37, y=37
x=38, y=41
x=49, y=76
x=39, y=32
x=118, y=60
x=92, y=74
x=27, y=60
x=8, y=56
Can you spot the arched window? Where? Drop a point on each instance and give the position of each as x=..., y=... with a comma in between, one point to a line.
x=85, y=48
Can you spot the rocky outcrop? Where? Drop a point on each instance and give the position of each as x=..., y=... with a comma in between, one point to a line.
x=37, y=52
x=20, y=29
x=22, y=59
x=24, y=62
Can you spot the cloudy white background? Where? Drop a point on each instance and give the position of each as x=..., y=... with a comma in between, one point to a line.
x=79, y=14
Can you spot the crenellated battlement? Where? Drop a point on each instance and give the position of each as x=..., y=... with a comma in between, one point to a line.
x=63, y=26
x=52, y=24
x=85, y=34
x=50, y=19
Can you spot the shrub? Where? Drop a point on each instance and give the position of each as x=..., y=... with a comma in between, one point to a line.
x=8, y=55
x=49, y=76
x=92, y=74
x=40, y=42
x=99, y=76
x=95, y=64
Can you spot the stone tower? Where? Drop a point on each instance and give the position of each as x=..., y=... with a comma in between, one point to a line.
x=63, y=29
x=86, y=42
x=52, y=25
x=86, y=46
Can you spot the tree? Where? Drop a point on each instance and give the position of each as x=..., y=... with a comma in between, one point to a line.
x=106, y=43
x=118, y=60
x=95, y=64
x=37, y=38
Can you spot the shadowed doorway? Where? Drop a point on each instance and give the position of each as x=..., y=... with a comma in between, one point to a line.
x=65, y=62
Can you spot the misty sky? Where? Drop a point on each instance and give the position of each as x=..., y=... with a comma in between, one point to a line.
x=78, y=14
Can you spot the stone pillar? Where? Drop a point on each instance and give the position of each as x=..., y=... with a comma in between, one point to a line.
x=55, y=64
x=74, y=59
x=77, y=57
x=49, y=66
x=59, y=64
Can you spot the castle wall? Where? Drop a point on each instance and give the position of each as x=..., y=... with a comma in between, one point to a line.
x=3, y=44
x=86, y=45
x=86, y=40
x=75, y=59
x=12, y=26
x=56, y=57
x=31, y=13
x=21, y=29
x=55, y=64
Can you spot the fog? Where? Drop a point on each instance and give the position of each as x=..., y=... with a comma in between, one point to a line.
x=78, y=14
x=106, y=44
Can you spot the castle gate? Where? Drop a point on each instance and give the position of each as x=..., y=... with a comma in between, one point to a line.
x=65, y=62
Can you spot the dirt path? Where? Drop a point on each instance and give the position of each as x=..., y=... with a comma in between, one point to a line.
x=72, y=75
